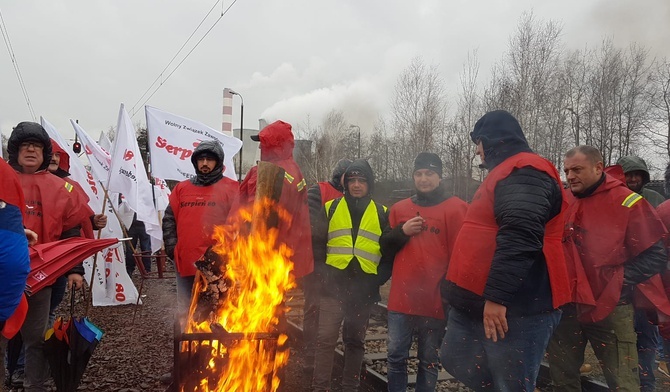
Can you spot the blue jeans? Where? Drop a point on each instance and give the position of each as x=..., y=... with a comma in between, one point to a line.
x=508, y=365
x=401, y=330
x=647, y=343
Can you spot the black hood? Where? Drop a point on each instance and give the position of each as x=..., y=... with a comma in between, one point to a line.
x=501, y=137
x=211, y=148
x=27, y=131
x=363, y=167
x=340, y=167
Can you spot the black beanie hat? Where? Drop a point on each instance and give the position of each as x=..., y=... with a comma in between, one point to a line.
x=428, y=160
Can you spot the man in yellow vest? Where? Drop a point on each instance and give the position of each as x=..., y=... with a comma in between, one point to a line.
x=355, y=267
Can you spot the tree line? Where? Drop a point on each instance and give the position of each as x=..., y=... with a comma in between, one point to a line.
x=616, y=99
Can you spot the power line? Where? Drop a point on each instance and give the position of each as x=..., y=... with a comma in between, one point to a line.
x=132, y=109
x=15, y=63
x=135, y=108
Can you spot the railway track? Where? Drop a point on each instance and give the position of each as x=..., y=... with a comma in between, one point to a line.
x=373, y=377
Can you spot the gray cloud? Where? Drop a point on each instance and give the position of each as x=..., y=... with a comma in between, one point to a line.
x=290, y=59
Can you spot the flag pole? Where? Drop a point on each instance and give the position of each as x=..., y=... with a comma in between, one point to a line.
x=95, y=257
x=151, y=177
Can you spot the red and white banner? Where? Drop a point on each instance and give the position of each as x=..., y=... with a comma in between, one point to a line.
x=107, y=279
x=172, y=140
x=162, y=193
x=128, y=177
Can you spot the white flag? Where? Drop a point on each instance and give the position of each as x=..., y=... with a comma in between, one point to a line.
x=99, y=158
x=104, y=142
x=128, y=177
x=162, y=192
x=172, y=140
x=108, y=279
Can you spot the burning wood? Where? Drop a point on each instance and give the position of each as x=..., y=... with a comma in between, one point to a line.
x=213, y=288
x=231, y=341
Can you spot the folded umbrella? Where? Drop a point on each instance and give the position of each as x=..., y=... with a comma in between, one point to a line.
x=53, y=259
x=69, y=347
x=56, y=350
x=83, y=341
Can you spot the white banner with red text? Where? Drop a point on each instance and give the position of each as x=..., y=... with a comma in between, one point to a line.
x=173, y=138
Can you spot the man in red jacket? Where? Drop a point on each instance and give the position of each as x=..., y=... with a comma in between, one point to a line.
x=507, y=274
x=277, y=147
x=53, y=212
x=196, y=206
x=613, y=247
x=424, y=228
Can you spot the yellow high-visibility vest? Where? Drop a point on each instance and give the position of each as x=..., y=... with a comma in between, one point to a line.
x=341, y=248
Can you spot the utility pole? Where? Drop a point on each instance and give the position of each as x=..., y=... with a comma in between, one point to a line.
x=241, y=127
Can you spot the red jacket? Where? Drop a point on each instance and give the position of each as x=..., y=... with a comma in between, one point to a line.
x=476, y=242
x=328, y=192
x=197, y=209
x=64, y=172
x=421, y=264
x=602, y=232
x=53, y=205
x=277, y=148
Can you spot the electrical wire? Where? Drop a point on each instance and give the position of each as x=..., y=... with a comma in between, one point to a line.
x=15, y=63
x=135, y=108
x=132, y=109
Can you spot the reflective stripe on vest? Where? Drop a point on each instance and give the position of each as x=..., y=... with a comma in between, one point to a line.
x=341, y=248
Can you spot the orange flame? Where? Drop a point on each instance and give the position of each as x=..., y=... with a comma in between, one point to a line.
x=259, y=267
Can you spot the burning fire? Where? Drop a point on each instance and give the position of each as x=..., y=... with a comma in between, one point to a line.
x=258, y=271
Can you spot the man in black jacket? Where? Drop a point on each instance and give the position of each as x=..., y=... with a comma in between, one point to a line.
x=353, y=268
x=507, y=273
x=317, y=195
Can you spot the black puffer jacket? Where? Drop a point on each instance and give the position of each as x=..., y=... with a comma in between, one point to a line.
x=523, y=204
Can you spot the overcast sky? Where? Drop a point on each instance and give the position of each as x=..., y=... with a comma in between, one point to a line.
x=290, y=59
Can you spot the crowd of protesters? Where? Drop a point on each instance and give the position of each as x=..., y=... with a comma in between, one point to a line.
x=531, y=270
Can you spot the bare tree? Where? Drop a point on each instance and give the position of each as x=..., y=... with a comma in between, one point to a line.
x=460, y=150
x=332, y=140
x=618, y=104
x=659, y=98
x=574, y=79
x=418, y=113
x=526, y=82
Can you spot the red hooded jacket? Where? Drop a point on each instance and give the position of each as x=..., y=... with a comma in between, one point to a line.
x=64, y=172
x=277, y=147
x=602, y=232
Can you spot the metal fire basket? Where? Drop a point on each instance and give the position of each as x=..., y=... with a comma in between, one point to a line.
x=193, y=352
